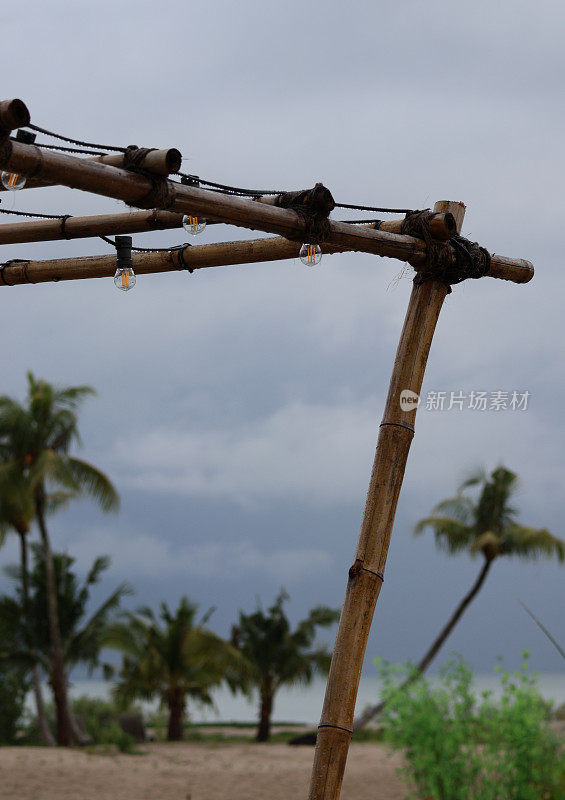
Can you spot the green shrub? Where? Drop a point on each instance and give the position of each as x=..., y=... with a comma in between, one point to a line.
x=457, y=748
x=99, y=720
x=94, y=716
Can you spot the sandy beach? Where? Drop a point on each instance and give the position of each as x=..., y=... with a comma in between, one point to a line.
x=190, y=772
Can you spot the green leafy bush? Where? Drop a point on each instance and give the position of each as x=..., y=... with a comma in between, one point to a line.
x=99, y=719
x=458, y=748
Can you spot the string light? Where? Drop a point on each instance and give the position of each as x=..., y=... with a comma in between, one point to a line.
x=11, y=180
x=310, y=254
x=193, y=225
x=124, y=279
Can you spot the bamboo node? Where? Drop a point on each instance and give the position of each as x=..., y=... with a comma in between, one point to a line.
x=355, y=568
x=338, y=727
x=358, y=567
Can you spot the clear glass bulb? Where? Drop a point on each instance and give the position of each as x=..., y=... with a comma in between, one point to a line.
x=124, y=278
x=192, y=224
x=310, y=254
x=12, y=181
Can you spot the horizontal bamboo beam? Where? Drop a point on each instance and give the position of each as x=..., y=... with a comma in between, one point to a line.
x=136, y=189
x=141, y=221
x=195, y=257
x=192, y=258
x=13, y=114
x=49, y=230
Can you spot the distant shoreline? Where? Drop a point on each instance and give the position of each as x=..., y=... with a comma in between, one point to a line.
x=302, y=705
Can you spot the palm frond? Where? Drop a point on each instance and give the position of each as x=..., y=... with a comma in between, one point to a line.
x=94, y=483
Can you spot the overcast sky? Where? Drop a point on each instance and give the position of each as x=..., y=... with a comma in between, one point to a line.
x=238, y=408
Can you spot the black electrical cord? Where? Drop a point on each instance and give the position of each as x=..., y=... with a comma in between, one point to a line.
x=149, y=249
x=30, y=214
x=195, y=179
x=75, y=141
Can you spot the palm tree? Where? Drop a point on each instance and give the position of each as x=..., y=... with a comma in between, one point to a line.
x=82, y=637
x=173, y=657
x=36, y=439
x=486, y=526
x=16, y=513
x=279, y=656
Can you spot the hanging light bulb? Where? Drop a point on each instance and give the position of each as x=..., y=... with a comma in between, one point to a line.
x=192, y=224
x=310, y=254
x=124, y=279
x=11, y=180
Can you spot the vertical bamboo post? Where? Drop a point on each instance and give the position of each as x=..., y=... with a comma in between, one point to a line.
x=366, y=574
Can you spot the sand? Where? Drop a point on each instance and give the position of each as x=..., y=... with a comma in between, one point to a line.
x=190, y=772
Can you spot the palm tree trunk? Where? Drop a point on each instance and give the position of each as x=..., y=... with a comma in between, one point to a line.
x=421, y=667
x=44, y=729
x=264, y=728
x=176, y=715
x=46, y=734
x=58, y=679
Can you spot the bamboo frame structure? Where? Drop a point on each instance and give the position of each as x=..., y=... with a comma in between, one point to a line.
x=366, y=575
x=137, y=189
x=169, y=201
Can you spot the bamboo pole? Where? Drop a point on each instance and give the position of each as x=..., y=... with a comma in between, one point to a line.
x=221, y=254
x=157, y=162
x=48, y=230
x=366, y=574
x=192, y=258
x=13, y=114
x=139, y=221
x=136, y=189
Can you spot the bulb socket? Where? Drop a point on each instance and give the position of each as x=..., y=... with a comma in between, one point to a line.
x=123, y=251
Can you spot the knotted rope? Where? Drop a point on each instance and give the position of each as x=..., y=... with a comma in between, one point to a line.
x=161, y=194
x=313, y=206
x=449, y=262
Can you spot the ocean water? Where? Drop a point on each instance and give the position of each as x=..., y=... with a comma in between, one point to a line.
x=303, y=703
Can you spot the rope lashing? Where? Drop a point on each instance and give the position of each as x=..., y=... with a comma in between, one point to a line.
x=134, y=157
x=313, y=206
x=450, y=262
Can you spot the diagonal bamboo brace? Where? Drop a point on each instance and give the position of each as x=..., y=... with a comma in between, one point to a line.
x=366, y=575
